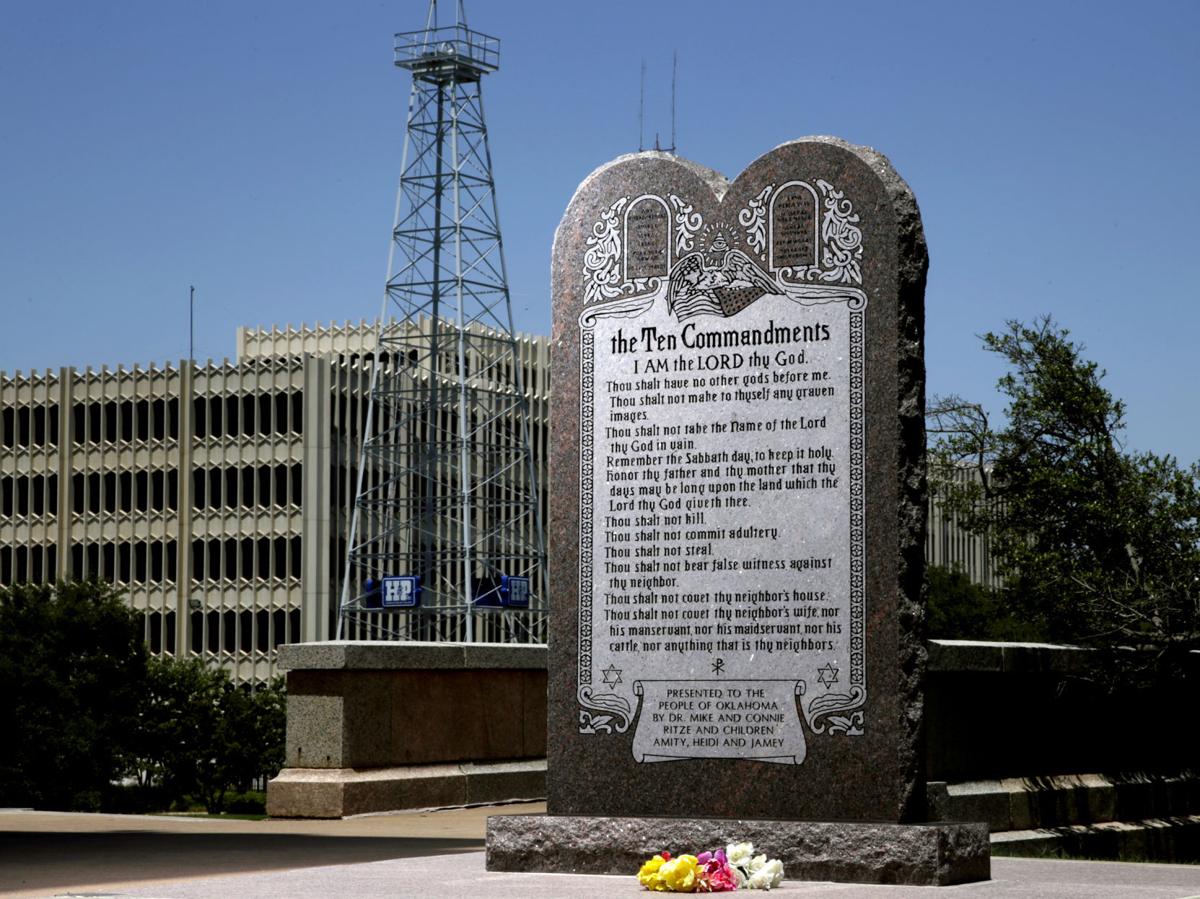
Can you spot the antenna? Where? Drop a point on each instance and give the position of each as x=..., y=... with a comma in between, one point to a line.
x=674, y=69
x=642, y=110
x=191, y=325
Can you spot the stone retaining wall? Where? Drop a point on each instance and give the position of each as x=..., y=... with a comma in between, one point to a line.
x=380, y=726
x=1016, y=734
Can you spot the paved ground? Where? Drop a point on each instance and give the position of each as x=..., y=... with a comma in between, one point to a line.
x=418, y=854
x=46, y=853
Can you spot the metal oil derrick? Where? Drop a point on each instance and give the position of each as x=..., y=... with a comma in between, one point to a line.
x=447, y=500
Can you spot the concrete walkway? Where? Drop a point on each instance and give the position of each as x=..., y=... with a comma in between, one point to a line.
x=420, y=854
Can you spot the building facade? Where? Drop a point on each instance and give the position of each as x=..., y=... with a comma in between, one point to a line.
x=217, y=496
x=950, y=544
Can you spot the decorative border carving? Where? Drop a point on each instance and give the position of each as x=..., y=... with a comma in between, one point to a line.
x=858, y=541
x=687, y=223
x=602, y=274
x=599, y=712
x=841, y=238
x=602, y=713
x=753, y=217
x=838, y=713
x=842, y=712
x=587, y=387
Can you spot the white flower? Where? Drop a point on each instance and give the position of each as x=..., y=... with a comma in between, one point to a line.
x=757, y=862
x=739, y=854
x=767, y=874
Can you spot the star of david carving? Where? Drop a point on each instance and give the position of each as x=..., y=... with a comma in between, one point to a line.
x=612, y=676
x=827, y=676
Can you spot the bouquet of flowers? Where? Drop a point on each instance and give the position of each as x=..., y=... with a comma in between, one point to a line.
x=735, y=867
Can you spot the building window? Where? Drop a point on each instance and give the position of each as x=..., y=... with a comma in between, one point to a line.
x=262, y=621
x=264, y=414
x=229, y=631
x=248, y=415
x=142, y=419
x=139, y=562
x=124, y=563
x=158, y=424
x=246, y=631
x=154, y=632
x=197, y=628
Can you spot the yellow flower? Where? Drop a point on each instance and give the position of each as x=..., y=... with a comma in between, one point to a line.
x=649, y=875
x=681, y=874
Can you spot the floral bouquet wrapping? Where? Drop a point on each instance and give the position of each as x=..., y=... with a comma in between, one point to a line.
x=735, y=867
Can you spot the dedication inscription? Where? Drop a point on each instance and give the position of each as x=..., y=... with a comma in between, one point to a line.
x=721, y=581
x=736, y=490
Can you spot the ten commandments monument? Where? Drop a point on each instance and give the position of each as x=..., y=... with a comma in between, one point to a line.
x=736, y=524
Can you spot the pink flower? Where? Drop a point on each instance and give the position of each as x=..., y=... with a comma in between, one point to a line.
x=718, y=875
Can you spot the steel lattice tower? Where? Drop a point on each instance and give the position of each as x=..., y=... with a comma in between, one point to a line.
x=447, y=486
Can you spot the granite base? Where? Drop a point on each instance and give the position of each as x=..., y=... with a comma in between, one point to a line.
x=939, y=854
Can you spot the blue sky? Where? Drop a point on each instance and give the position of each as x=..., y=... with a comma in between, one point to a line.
x=251, y=148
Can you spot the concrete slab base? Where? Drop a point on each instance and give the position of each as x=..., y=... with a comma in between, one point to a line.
x=340, y=792
x=846, y=852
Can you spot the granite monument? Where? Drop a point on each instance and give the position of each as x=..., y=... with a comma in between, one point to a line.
x=737, y=515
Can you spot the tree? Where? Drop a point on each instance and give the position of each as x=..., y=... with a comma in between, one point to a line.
x=254, y=731
x=1097, y=545
x=73, y=664
x=84, y=705
x=177, y=723
x=959, y=609
x=200, y=734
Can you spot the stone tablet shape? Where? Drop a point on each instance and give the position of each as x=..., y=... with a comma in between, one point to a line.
x=737, y=490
